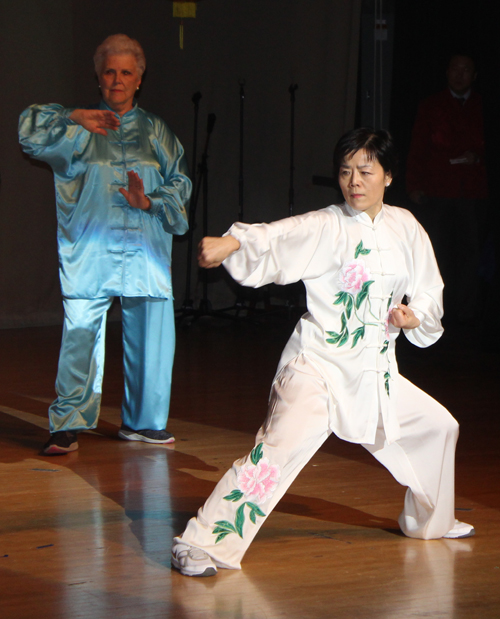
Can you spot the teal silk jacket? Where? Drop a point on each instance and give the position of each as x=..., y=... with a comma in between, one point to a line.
x=106, y=247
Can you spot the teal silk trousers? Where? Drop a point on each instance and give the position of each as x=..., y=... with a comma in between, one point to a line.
x=148, y=355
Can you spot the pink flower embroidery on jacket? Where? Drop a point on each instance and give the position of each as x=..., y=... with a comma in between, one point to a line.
x=259, y=481
x=353, y=275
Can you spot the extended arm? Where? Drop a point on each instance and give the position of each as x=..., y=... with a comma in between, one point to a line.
x=281, y=252
x=52, y=133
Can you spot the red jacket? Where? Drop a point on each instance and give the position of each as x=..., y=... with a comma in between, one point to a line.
x=444, y=130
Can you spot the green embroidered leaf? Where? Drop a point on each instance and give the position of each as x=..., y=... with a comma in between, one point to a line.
x=363, y=293
x=361, y=250
x=253, y=517
x=385, y=347
x=343, y=322
x=257, y=454
x=341, y=298
x=366, y=285
x=255, y=508
x=357, y=335
x=344, y=338
x=221, y=536
x=235, y=495
x=220, y=530
x=240, y=519
x=226, y=526
x=331, y=340
x=349, y=306
x=387, y=376
x=360, y=298
x=390, y=300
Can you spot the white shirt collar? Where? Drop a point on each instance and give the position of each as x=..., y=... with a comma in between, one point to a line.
x=465, y=96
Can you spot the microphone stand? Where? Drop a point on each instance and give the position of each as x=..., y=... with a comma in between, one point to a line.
x=188, y=305
x=239, y=304
x=241, y=178
x=291, y=90
x=293, y=290
x=205, y=307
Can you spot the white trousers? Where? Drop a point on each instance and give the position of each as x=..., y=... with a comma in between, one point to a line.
x=296, y=426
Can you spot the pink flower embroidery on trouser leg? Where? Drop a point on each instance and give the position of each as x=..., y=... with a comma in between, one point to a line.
x=259, y=481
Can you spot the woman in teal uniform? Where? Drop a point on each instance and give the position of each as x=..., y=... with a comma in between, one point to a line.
x=121, y=193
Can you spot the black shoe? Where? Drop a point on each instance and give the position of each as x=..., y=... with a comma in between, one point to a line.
x=161, y=437
x=60, y=443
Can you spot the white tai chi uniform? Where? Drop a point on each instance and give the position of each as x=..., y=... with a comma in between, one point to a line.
x=338, y=372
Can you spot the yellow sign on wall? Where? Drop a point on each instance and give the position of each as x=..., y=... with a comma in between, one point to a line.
x=182, y=9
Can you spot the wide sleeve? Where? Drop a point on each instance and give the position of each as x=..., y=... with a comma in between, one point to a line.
x=47, y=133
x=425, y=293
x=170, y=199
x=284, y=251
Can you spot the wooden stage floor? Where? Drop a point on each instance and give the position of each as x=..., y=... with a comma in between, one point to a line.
x=88, y=535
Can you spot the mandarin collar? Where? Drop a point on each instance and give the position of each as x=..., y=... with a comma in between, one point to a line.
x=364, y=218
x=130, y=115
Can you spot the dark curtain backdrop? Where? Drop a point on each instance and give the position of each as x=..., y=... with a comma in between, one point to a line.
x=426, y=33
x=46, y=50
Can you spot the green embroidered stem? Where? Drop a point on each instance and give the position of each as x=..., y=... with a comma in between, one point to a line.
x=380, y=322
x=368, y=324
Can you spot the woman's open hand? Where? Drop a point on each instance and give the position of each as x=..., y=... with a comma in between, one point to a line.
x=212, y=250
x=135, y=195
x=403, y=317
x=96, y=121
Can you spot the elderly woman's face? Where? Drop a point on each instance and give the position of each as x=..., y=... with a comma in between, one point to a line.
x=119, y=81
x=363, y=182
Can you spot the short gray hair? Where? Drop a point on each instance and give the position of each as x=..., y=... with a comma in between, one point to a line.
x=119, y=44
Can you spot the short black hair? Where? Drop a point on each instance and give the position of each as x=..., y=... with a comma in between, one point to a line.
x=378, y=145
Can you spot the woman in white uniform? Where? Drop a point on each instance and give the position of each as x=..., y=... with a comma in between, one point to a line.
x=338, y=372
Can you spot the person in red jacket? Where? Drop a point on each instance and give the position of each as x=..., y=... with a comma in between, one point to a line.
x=446, y=177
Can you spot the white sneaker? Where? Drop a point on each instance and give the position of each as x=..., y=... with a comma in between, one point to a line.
x=461, y=529
x=192, y=561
